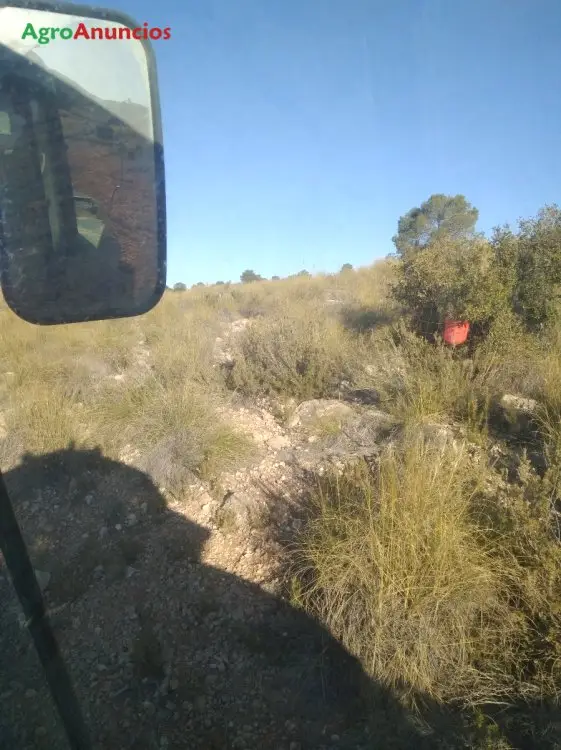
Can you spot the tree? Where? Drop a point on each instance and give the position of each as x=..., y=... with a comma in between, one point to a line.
x=346, y=267
x=179, y=287
x=275, y=278
x=200, y=283
x=441, y=215
x=249, y=276
x=219, y=283
x=303, y=273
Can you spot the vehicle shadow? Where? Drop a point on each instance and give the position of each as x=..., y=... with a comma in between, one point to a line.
x=163, y=650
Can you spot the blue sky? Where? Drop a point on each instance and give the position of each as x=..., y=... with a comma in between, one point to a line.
x=297, y=133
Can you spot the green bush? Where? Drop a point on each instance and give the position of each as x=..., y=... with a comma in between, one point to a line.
x=450, y=278
x=539, y=267
x=248, y=276
x=471, y=278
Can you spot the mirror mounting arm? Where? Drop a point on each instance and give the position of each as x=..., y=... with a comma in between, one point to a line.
x=27, y=589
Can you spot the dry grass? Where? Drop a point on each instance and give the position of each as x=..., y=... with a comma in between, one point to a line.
x=421, y=382
x=383, y=557
x=291, y=357
x=180, y=339
x=303, y=352
x=402, y=565
x=439, y=588
x=147, y=383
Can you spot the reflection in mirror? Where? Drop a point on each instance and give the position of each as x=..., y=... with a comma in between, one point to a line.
x=81, y=181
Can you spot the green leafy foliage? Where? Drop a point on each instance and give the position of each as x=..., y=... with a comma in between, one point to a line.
x=441, y=215
x=539, y=266
x=447, y=271
x=450, y=278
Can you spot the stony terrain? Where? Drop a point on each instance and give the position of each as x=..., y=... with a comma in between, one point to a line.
x=173, y=612
x=169, y=611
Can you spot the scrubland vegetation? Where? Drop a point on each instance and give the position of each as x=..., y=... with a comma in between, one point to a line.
x=437, y=563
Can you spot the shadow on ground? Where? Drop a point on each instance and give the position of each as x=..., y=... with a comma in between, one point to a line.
x=364, y=319
x=165, y=651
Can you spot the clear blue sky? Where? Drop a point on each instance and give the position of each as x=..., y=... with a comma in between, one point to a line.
x=297, y=133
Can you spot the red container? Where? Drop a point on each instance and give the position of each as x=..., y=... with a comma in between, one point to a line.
x=456, y=332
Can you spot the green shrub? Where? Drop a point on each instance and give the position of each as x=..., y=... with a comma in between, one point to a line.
x=450, y=278
x=419, y=382
x=470, y=278
x=539, y=266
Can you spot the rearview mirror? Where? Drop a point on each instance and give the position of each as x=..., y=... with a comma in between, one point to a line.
x=82, y=190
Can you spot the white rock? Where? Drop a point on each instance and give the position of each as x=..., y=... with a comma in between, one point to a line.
x=519, y=404
x=310, y=411
x=277, y=442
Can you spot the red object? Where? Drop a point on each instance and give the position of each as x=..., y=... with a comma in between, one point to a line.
x=455, y=332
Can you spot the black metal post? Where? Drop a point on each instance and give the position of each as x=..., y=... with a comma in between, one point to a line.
x=29, y=594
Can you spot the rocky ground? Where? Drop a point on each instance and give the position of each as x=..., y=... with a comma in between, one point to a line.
x=169, y=611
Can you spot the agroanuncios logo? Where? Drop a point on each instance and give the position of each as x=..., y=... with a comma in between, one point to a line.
x=46, y=34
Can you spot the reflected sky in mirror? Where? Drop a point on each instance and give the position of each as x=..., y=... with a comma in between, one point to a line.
x=70, y=60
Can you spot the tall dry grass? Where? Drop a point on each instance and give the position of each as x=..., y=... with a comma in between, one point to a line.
x=138, y=386
x=383, y=557
x=434, y=594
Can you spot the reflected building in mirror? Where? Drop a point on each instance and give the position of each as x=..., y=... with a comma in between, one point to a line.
x=112, y=167
x=87, y=162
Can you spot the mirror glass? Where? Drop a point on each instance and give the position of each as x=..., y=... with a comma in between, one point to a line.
x=81, y=169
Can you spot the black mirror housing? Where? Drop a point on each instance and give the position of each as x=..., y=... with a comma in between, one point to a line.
x=82, y=183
